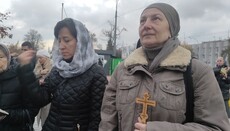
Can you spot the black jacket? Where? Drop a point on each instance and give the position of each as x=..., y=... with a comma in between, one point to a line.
x=224, y=83
x=15, y=101
x=74, y=101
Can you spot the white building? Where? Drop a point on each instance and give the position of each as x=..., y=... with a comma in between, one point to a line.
x=209, y=51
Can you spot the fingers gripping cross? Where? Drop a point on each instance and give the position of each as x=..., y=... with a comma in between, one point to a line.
x=146, y=102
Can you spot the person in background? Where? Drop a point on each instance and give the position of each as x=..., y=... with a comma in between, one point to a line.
x=222, y=74
x=43, y=65
x=42, y=69
x=13, y=98
x=76, y=83
x=147, y=90
x=26, y=46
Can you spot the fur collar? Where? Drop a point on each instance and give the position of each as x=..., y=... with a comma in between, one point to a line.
x=179, y=57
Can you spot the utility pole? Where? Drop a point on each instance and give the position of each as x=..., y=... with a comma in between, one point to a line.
x=115, y=32
x=62, y=11
x=228, y=34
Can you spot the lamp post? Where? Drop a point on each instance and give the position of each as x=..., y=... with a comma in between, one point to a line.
x=62, y=11
x=115, y=32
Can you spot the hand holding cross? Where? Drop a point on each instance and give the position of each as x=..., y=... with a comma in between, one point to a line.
x=146, y=102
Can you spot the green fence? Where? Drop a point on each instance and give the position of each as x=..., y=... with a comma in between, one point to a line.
x=114, y=63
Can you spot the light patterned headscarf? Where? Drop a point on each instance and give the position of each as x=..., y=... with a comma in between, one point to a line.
x=84, y=56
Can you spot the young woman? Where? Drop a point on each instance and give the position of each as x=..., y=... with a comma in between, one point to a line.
x=76, y=83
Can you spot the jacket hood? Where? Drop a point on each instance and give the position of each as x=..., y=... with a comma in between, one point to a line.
x=180, y=57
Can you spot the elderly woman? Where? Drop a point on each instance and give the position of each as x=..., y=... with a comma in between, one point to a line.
x=42, y=69
x=43, y=65
x=13, y=98
x=76, y=83
x=147, y=90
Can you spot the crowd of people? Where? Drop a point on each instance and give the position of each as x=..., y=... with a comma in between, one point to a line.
x=148, y=91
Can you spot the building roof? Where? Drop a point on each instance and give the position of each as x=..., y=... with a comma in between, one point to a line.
x=104, y=52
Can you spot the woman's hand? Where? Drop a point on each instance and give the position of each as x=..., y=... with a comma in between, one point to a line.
x=140, y=126
x=26, y=57
x=44, y=72
x=41, y=81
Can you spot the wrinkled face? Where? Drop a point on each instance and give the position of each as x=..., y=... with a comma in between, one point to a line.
x=67, y=43
x=220, y=61
x=3, y=61
x=154, y=28
x=41, y=59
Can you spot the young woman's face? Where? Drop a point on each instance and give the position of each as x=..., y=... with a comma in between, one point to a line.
x=67, y=42
x=154, y=28
x=3, y=61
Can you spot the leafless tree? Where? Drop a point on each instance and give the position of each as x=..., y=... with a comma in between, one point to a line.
x=35, y=38
x=4, y=30
x=109, y=33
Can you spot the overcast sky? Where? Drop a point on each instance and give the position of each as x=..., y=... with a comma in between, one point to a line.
x=201, y=20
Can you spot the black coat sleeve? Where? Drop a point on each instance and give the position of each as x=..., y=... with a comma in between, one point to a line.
x=216, y=71
x=16, y=116
x=19, y=116
x=97, y=91
x=39, y=95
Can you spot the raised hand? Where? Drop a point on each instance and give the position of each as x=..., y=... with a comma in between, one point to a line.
x=26, y=57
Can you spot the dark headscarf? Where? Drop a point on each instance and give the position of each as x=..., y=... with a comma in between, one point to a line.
x=171, y=15
x=174, y=25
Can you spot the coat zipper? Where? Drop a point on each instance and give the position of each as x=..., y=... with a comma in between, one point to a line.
x=120, y=118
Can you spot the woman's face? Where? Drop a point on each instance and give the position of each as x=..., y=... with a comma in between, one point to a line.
x=154, y=28
x=67, y=42
x=41, y=59
x=3, y=61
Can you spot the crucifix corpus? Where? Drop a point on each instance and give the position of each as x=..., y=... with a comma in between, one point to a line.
x=146, y=102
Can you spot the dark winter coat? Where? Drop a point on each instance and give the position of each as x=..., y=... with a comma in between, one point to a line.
x=14, y=100
x=75, y=102
x=224, y=83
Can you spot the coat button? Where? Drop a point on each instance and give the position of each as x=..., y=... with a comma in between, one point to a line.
x=178, y=90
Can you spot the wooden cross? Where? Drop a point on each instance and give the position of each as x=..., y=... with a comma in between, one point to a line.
x=146, y=102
